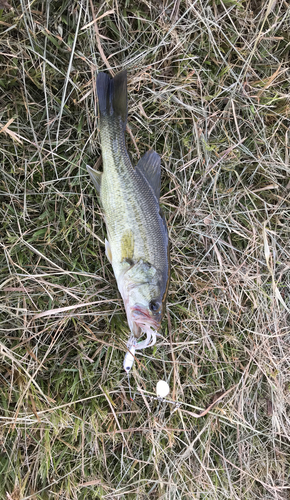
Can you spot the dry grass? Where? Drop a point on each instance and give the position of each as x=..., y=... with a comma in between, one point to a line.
x=209, y=90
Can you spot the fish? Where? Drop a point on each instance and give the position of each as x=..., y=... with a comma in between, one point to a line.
x=137, y=243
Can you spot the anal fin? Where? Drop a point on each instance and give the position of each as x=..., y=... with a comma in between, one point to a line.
x=108, y=250
x=96, y=178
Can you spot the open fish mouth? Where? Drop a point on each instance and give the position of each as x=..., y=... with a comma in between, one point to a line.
x=143, y=318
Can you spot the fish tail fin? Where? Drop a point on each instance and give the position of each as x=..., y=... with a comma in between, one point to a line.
x=112, y=96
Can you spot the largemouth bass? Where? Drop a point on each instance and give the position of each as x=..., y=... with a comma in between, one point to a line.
x=137, y=244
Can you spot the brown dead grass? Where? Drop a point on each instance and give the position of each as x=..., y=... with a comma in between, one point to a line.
x=208, y=89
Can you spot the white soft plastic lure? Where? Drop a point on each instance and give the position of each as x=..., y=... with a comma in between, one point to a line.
x=133, y=346
x=129, y=358
x=162, y=389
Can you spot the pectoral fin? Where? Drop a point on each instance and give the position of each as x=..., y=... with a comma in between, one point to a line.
x=149, y=166
x=96, y=178
x=108, y=250
x=127, y=245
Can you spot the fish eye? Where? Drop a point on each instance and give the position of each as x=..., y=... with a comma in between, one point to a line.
x=154, y=305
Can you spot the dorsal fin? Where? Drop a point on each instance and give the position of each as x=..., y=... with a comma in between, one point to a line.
x=149, y=166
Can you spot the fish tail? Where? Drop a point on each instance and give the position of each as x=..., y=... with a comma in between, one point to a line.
x=112, y=96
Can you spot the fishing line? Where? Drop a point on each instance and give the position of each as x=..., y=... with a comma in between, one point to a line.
x=132, y=399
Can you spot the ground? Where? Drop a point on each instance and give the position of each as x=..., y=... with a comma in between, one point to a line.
x=208, y=86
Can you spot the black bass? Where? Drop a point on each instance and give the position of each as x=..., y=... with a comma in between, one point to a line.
x=137, y=244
